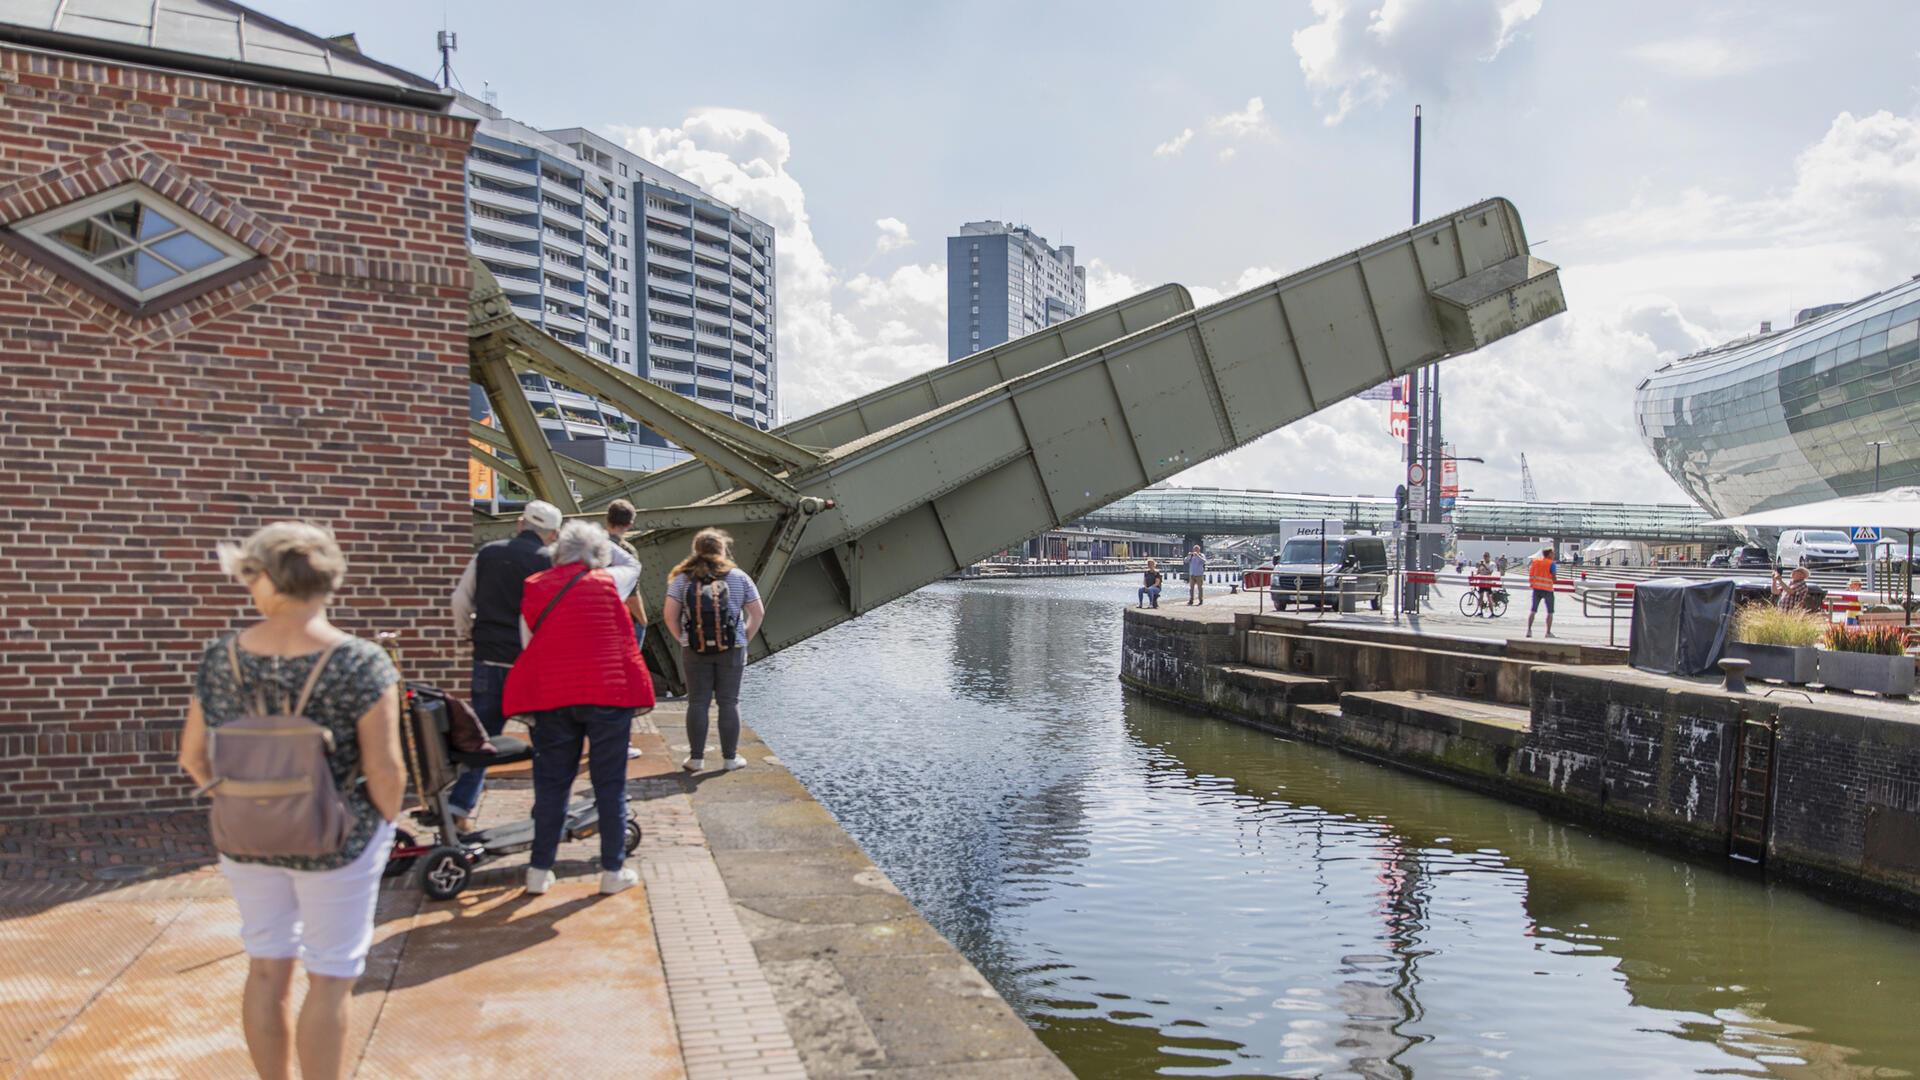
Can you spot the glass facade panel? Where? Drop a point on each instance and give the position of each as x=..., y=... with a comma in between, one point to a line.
x=1792, y=417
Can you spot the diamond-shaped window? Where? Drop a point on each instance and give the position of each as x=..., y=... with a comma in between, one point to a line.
x=135, y=240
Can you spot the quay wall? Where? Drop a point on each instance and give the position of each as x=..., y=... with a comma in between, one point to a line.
x=324, y=379
x=1639, y=754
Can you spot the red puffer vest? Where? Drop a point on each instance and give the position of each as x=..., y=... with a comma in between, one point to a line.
x=583, y=653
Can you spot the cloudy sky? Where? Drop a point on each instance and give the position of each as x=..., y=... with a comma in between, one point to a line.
x=1693, y=167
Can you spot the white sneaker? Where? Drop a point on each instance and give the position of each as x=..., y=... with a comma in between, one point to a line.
x=736, y=762
x=539, y=881
x=694, y=764
x=613, y=881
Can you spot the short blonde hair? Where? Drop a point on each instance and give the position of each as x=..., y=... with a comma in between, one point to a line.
x=301, y=559
x=581, y=542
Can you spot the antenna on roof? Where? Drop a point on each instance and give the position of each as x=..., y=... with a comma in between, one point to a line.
x=489, y=95
x=447, y=42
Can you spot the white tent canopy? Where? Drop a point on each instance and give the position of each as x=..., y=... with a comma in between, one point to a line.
x=1896, y=508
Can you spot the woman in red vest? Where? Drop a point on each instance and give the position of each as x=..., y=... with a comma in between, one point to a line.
x=580, y=677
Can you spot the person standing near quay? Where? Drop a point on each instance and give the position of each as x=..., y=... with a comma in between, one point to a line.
x=1149, y=594
x=581, y=678
x=1541, y=572
x=1196, y=577
x=315, y=905
x=486, y=608
x=714, y=609
x=619, y=520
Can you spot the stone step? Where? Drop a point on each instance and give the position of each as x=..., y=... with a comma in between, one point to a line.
x=1384, y=665
x=1282, y=685
x=1484, y=721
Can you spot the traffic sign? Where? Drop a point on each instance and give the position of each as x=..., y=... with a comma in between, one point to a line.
x=1417, y=476
x=1417, y=495
x=1865, y=534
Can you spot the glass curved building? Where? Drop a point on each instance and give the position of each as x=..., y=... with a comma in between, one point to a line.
x=1793, y=416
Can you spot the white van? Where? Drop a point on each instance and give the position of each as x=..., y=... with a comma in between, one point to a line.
x=1815, y=548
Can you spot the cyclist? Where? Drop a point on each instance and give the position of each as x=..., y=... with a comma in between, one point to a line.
x=1484, y=570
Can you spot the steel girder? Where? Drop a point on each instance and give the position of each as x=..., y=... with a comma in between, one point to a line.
x=945, y=471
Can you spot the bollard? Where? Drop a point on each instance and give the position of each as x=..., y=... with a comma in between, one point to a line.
x=1736, y=673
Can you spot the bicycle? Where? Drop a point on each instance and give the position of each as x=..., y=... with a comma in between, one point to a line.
x=1489, y=602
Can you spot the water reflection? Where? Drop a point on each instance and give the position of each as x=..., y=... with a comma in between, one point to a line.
x=1160, y=893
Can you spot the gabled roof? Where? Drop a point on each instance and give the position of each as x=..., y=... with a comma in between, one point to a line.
x=215, y=37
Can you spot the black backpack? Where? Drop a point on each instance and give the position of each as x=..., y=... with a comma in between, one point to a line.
x=707, y=616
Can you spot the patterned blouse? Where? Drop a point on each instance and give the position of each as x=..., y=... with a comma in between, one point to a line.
x=354, y=679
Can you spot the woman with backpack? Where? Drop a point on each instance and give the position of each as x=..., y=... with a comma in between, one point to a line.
x=580, y=678
x=715, y=610
x=294, y=729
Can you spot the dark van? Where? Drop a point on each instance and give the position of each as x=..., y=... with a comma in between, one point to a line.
x=1308, y=570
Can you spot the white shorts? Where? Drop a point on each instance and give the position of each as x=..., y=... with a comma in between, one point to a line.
x=324, y=917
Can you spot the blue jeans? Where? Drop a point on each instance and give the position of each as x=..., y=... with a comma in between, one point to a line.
x=1150, y=593
x=557, y=739
x=489, y=684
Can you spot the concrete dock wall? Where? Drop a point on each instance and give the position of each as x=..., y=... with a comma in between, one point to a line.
x=1637, y=753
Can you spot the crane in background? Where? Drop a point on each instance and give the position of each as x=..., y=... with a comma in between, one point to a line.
x=1528, y=493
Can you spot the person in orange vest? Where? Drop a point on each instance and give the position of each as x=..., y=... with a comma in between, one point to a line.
x=1540, y=575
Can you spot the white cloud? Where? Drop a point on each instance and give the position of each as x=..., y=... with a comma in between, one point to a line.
x=1173, y=147
x=836, y=340
x=1701, y=56
x=1362, y=51
x=893, y=234
x=1248, y=122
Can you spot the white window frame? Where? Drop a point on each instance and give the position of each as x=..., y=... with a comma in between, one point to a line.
x=41, y=227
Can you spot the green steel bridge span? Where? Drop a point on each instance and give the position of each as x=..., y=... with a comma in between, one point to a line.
x=1228, y=512
x=844, y=511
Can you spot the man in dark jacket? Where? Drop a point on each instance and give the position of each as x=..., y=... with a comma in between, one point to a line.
x=486, y=608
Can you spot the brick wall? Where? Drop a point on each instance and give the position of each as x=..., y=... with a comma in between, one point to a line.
x=329, y=384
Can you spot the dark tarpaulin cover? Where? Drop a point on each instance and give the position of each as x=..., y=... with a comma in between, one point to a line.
x=1680, y=627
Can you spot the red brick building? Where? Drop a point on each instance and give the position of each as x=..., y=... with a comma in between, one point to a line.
x=233, y=289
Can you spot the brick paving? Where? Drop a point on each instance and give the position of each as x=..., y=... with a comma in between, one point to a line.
x=106, y=916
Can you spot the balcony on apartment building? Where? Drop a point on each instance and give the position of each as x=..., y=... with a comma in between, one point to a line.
x=484, y=195
x=493, y=251
x=677, y=217
x=499, y=225
x=479, y=165
x=679, y=243
x=668, y=306
x=558, y=213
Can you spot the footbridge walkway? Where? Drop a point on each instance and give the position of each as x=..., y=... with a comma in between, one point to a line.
x=1228, y=512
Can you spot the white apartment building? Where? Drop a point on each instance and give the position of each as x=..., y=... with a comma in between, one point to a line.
x=629, y=263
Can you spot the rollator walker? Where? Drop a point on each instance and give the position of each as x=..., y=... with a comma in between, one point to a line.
x=447, y=863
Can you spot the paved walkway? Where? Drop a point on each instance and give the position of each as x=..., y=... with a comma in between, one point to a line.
x=760, y=943
x=1443, y=617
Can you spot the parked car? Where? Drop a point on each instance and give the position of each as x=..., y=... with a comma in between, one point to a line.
x=1816, y=548
x=1309, y=568
x=1750, y=557
x=1720, y=560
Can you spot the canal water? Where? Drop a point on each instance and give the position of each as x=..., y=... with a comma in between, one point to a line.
x=1160, y=893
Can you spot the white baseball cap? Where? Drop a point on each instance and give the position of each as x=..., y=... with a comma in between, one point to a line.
x=543, y=516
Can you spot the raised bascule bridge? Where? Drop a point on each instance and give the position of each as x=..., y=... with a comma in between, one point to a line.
x=841, y=512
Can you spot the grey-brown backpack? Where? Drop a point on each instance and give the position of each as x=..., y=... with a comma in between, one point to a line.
x=273, y=791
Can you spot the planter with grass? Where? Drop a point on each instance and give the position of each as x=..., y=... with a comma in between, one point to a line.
x=1778, y=645
x=1869, y=658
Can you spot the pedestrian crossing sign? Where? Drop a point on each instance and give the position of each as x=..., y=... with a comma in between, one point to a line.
x=1865, y=534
